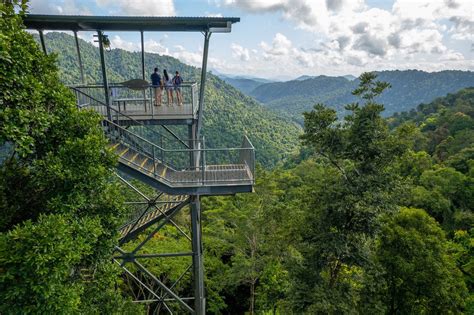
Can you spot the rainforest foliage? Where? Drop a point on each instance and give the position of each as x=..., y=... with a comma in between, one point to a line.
x=373, y=216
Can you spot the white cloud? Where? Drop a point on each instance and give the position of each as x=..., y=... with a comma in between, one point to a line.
x=58, y=7
x=240, y=52
x=156, y=47
x=213, y=14
x=118, y=42
x=281, y=45
x=348, y=35
x=139, y=7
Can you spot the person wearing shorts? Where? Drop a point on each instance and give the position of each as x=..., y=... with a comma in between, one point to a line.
x=168, y=87
x=177, y=80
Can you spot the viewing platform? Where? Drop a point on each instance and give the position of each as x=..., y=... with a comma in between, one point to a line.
x=129, y=105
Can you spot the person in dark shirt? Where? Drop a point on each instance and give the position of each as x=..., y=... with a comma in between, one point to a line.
x=177, y=80
x=157, y=86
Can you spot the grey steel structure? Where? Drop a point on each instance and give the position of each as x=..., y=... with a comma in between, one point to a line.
x=179, y=174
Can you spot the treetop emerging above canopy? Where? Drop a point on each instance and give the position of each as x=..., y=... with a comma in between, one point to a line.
x=129, y=23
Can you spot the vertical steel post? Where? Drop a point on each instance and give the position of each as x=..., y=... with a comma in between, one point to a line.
x=207, y=35
x=191, y=144
x=198, y=269
x=143, y=71
x=143, y=55
x=104, y=74
x=42, y=41
x=79, y=57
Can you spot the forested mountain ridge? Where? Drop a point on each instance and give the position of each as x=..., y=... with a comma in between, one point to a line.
x=228, y=115
x=245, y=85
x=446, y=126
x=409, y=88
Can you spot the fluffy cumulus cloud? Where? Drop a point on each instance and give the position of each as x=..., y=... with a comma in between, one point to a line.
x=281, y=46
x=240, y=52
x=351, y=35
x=139, y=7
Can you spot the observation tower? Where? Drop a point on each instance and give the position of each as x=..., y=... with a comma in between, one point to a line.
x=151, y=148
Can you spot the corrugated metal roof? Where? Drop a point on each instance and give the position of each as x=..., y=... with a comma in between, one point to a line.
x=128, y=23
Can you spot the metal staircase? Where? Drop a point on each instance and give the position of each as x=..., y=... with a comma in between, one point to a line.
x=164, y=207
x=169, y=170
x=180, y=171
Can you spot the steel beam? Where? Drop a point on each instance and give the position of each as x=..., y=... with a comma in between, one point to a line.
x=159, y=298
x=81, y=68
x=165, y=288
x=198, y=268
x=143, y=54
x=100, y=37
x=42, y=41
x=207, y=35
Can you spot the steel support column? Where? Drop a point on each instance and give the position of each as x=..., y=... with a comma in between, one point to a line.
x=192, y=143
x=207, y=35
x=42, y=41
x=198, y=268
x=100, y=36
x=81, y=68
x=143, y=54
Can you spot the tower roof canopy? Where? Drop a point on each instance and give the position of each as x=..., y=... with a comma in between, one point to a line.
x=130, y=23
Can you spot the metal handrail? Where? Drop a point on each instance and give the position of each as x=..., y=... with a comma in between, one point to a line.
x=193, y=86
x=76, y=89
x=158, y=154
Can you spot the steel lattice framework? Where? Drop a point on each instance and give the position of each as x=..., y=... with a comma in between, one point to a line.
x=177, y=176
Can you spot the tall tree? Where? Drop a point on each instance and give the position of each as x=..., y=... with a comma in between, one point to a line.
x=421, y=276
x=342, y=217
x=59, y=207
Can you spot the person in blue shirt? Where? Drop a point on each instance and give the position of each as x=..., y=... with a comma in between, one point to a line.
x=157, y=86
x=177, y=80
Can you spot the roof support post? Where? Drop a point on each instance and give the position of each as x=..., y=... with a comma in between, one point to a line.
x=42, y=41
x=143, y=55
x=198, y=268
x=100, y=36
x=79, y=57
x=207, y=35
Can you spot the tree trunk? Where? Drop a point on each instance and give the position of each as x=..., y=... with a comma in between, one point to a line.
x=252, y=297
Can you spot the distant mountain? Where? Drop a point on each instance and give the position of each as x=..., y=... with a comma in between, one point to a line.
x=448, y=126
x=303, y=77
x=245, y=84
x=350, y=77
x=409, y=88
x=228, y=115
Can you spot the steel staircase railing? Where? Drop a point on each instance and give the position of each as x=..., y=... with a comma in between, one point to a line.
x=85, y=100
x=173, y=167
x=142, y=219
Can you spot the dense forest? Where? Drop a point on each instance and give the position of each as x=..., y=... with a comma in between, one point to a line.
x=229, y=114
x=373, y=215
x=409, y=88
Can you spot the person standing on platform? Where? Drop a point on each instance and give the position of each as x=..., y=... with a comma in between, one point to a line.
x=168, y=87
x=177, y=80
x=157, y=86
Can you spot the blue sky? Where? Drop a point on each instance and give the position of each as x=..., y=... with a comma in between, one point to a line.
x=288, y=38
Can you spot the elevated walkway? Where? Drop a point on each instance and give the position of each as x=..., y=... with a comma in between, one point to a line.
x=217, y=171
x=139, y=104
